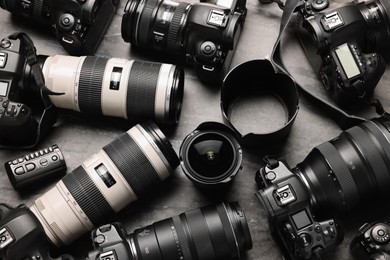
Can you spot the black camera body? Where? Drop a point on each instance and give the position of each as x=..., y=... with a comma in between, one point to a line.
x=345, y=44
x=110, y=242
x=203, y=34
x=291, y=218
x=213, y=33
x=79, y=25
x=22, y=235
x=17, y=124
x=372, y=242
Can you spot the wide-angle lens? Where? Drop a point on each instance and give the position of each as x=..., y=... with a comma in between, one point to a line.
x=211, y=155
x=105, y=183
x=217, y=232
x=352, y=168
x=135, y=90
x=155, y=24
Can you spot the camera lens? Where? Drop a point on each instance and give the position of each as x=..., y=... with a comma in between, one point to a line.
x=35, y=9
x=135, y=90
x=105, y=183
x=350, y=169
x=213, y=232
x=155, y=24
x=211, y=155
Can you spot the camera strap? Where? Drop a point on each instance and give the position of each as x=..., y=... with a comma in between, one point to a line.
x=341, y=117
x=49, y=114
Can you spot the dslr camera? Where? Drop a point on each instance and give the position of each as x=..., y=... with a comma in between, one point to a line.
x=345, y=174
x=79, y=25
x=292, y=220
x=203, y=34
x=18, y=124
x=346, y=43
x=372, y=242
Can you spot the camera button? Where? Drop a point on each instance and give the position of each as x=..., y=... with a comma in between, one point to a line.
x=304, y=240
x=5, y=43
x=66, y=22
x=30, y=167
x=19, y=170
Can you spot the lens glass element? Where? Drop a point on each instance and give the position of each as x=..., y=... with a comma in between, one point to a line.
x=211, y=155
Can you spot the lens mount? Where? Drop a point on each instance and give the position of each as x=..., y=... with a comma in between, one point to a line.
x=129, y=20
x=177, y=92
x=211, y=155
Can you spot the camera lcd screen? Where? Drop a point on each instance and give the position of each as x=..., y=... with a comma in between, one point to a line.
x=301, y=219
x=3, y=88
x=347, y=61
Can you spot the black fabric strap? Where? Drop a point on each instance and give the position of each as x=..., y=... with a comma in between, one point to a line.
x=49, y=114
x=341, y=117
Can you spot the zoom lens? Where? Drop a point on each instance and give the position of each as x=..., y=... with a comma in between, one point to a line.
x=35, y=9
x=105, y=183
x=351, y=169
x=211, y=155
x=155, y=24
x=217, y=232
x=135, y=90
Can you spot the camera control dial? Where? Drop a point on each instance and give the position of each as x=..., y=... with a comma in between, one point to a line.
x=66, y=22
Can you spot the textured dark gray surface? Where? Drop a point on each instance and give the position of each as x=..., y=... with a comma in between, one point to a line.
x=80, y=136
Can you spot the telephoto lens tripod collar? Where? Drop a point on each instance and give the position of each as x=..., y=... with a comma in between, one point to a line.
x=258, y=78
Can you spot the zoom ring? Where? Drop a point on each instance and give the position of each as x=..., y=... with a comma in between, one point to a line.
x=90, y=85
x=173, y=43
x=88, y=196
x=132, y=163
x=141, y=91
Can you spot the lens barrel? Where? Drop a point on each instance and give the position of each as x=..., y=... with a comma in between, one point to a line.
x=351, y=169
x=211, y=155
x=105, y=183
x=155, y=24
x=35, y=9
x=135, y=90
x=217, y=232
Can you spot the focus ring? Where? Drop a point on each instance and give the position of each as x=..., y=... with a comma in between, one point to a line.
x=141, y=91
x=132, y=163
x=342, y=173
x=174, y=28
x=90, y=84
x=88, y=196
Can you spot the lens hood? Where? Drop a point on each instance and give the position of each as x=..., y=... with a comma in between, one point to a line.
x=257, y=78
x=211, y=155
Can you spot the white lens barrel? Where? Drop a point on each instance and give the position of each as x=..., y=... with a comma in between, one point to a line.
x=105, y=183
x=135, y=90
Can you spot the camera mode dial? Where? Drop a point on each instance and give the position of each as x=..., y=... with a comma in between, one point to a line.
x=319, y=5
x=380, y=234
x=66, y=22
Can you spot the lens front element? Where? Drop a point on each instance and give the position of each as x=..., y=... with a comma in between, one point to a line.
x=211, y=155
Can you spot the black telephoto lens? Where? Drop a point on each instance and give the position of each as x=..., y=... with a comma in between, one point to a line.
x=214, y=232
x=351, y=169
x=211, y=155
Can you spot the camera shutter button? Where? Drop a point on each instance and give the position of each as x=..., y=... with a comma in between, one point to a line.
x=66, y=22
x=208, y=49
